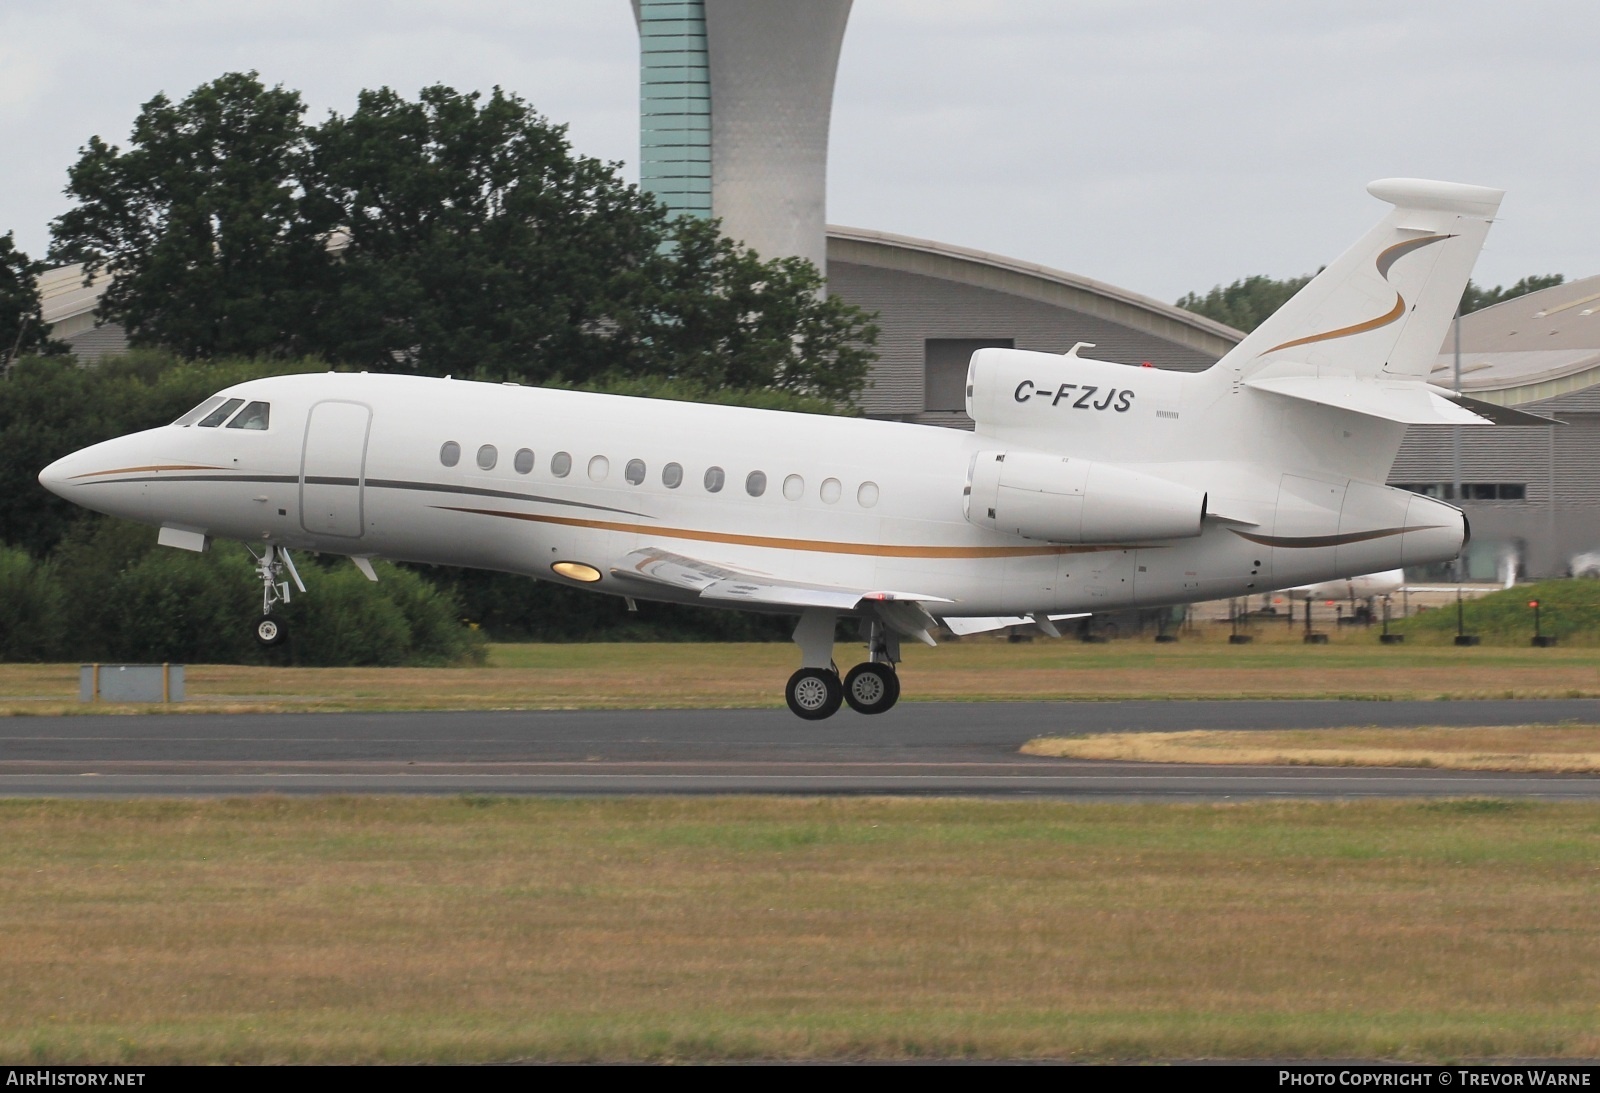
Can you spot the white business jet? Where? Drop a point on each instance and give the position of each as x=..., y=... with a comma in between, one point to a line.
x=1086, y=485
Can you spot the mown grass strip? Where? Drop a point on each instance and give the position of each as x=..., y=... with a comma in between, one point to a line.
x=1547, y=748
x=479, y=929
x=751, y=675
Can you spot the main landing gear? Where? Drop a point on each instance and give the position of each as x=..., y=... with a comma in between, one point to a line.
x=271, y=564
x=815, y=691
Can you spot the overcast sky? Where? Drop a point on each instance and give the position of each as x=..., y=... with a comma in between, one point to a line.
x=1159, y=145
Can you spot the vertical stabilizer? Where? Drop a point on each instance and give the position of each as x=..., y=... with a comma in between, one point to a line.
x=1383, y=308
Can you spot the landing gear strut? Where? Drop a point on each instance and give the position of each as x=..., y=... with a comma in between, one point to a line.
x=271, y=564
x=815, y=692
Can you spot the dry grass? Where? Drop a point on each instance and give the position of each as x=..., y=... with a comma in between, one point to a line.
x=408, y=929
x=691, y=675
x=1547, y=748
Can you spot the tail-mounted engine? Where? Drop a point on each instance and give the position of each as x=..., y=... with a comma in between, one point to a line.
x=1065, y=500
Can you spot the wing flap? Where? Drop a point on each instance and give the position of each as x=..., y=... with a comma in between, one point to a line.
x=719, y=583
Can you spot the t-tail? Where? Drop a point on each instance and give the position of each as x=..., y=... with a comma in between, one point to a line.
x=1364, y=334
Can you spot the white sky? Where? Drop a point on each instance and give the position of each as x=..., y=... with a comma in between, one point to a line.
x=1159, y=145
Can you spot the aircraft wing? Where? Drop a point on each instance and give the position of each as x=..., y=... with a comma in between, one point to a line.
x=902, y=611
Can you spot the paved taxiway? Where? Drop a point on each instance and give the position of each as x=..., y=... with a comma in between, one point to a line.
x=918, y=748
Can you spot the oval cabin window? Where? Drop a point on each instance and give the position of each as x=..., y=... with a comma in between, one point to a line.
x=488, y=457
x=561, y=464
x=830, y=490
x=867, y=495
x=672, y=475
x=794, y=487
x=522, y=462
x=634, y=472
x=755, y=483
x=599, y=467
x=450, y=453
x=715, y=479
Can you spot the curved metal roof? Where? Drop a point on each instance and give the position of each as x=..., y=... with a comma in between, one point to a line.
x=1053, y=286
x=1534, y=347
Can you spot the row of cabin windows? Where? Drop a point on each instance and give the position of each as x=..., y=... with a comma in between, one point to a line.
x=218, y=409
x=635, y=473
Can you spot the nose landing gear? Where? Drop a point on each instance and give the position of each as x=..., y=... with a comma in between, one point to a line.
x=270, y=566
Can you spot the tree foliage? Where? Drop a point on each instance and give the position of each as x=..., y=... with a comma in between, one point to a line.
x=1245, y=304
x=1476, y=298
x=22, y=326
x=453, y=234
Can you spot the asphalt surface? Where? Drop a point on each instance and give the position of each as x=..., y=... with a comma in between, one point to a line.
x=917, y=748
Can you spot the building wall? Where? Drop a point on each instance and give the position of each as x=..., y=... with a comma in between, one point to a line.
x=913, y=308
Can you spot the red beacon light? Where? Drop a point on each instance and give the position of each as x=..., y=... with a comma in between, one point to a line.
x=1533, y=603
x=1147, y=364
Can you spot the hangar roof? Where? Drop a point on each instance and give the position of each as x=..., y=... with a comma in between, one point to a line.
x=981, y=269
x=1534, y=347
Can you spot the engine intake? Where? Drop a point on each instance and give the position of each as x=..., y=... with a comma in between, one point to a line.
x=1064, y=500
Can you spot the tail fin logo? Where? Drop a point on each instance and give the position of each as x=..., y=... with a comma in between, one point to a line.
x=1386, y=259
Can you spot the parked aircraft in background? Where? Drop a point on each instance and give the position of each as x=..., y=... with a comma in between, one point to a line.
x=1086, y=486
x=1368, y=586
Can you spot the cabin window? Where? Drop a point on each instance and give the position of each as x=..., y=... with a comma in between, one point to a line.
x=634, y=472
x=715, y=478
x=488, y=457
x=221, y=413
x=254, y=416
x=867, y=495
x=672, y=475
x=830, y=490
x=450, y=453
x=599, y=467
x=522, y=461
x=200, y=411
x=561, y=464
x=755, y=483
x=794, y=487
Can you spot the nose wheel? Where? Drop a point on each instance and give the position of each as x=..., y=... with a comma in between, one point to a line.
x=814, y=693
x=872, y=687
x=271, y=565
x=269, y=631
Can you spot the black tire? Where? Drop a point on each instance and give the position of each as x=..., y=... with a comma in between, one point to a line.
x=269, y=631
x=814, y=693
x=872, y=688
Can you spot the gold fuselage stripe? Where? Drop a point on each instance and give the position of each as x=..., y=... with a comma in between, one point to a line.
x=163, y=467
x=876, y=550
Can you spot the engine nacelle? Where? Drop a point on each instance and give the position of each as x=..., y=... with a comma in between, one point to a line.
x=1065, y=500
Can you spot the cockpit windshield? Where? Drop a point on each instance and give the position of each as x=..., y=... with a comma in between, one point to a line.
x=253, y=416
x=219, y=408
x=200, y=411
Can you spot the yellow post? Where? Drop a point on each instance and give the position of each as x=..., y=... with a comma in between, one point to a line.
x=166, y=683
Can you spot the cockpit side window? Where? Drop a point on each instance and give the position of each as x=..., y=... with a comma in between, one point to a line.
x=200, y=411
x=221, y=413
x=254, y=416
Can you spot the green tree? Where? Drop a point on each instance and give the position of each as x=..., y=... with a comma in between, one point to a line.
x=456, y=234
x=203, y=225
x=1246, y=303
x=1476, y=298
x=22, y=326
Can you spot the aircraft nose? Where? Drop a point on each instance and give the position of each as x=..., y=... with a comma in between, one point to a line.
x=57, y=476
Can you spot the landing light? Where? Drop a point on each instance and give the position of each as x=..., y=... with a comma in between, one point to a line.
x=577, y=571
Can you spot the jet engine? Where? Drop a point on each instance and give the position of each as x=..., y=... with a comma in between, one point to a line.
x=1066, y=500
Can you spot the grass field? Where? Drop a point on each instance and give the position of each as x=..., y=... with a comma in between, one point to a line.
x=1277, y=665
x=1568, y=749
x=480, y=929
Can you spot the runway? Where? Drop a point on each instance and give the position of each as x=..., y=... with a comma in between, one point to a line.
x=916, y=749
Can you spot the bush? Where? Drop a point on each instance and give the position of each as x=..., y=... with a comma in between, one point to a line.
x=31, y=625
x=126, y=599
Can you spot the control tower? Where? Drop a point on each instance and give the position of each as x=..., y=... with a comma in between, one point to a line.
x=734, y=102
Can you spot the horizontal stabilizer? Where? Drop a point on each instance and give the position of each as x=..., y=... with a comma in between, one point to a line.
x=1398, y=400
x=1501, y=415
